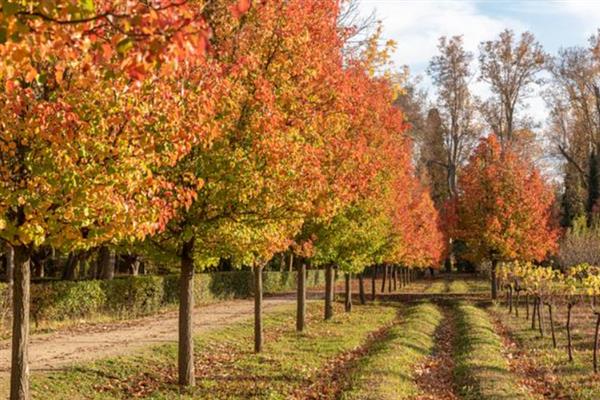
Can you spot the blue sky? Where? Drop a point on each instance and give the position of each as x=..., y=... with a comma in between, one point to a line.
x=416, y=26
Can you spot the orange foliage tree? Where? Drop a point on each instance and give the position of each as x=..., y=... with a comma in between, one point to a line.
x=503, y=211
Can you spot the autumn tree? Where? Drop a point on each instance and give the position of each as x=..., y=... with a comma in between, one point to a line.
x=262, y=172
x=511, y=67
x=93, y=107
x=503, y=208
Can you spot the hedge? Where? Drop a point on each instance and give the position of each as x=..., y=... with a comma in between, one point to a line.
x=143, y=295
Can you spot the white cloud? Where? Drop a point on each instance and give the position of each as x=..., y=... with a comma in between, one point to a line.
x=417, y=25
x=587, y=12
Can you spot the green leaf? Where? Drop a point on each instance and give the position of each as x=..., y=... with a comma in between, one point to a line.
x=87, y=6
x=9, y=8
x=124, y=45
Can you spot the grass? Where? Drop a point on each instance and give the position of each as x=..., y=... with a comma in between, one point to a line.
x=575, y=380
x=482, y=372
x=291, y=366
x=386, y=371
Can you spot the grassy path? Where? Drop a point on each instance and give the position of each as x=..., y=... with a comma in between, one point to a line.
x=482, y=370
x=387, y=371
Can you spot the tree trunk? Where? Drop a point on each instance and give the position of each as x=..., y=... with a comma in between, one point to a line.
x=494, y=280
x=385, y=272
x=395, y=277
x=186, y=308
x=390, y=278
x=291, y=264
x=135, y=267
x=301, y=289
x=258, y=321
x=540, y=310
x=10, y=271
x=510, y=300
x=569, y=341
x=19, y=373
x=596, y=341
x=348, y=301
x=533, y=312
x=373, y=282
x=328, y=292
x=517, y=304
x=361, y=288
x=551, y=325
x=527, y=306
x=70, y=271
x=106, y=263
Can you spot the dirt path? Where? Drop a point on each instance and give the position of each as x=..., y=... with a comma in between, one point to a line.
x=57, y=350
x=434, y=375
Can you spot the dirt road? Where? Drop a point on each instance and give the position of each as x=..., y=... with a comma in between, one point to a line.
x=57, y=350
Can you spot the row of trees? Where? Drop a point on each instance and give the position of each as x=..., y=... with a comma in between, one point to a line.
x=198, y=131
x=550, y=287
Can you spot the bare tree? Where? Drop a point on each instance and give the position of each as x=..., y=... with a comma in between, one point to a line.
x=511, y=68
x=451, y=74
x=574, y=124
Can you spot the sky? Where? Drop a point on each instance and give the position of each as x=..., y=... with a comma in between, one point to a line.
x=416, y=25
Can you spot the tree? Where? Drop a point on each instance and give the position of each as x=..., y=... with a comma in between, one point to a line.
x=503, y=208
x=262, y=172
x=573, y=97
x=511, y=68
x=92, y=108
x=451, y=74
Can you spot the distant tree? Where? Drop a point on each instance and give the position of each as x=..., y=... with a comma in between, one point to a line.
x=511, y=68
x=451, y=75
x=504, y=208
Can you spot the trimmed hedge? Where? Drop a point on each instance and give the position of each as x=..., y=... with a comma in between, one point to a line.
x=142, y=295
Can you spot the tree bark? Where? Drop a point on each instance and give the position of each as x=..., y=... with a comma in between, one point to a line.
x=373, y=282
x=348, y=301
x=527, y=306
x=328, y=292
x=186, y=307
x=258, y=321
x=301, y=289
x=361, y=288
x=517, y=304
x=534, y=312
x=390, y=278
x=510, y=299
x=540, y=311
x=385, y=272
x=291, y=263
x=395, y=277
x=552, y=325
x=596, y=342
x=19, y=376
x=10, y=272
x=569, y=340
x=70, y=271
x=494, y=280
x=106, y=263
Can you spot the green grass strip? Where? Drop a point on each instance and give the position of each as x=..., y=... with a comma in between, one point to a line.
x=226, y=367
x=387, y=371
x=482, y=372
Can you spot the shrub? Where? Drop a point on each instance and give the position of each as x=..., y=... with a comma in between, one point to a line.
x=131, y=297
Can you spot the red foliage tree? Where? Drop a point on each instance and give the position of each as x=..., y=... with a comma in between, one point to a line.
x=504, y=208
